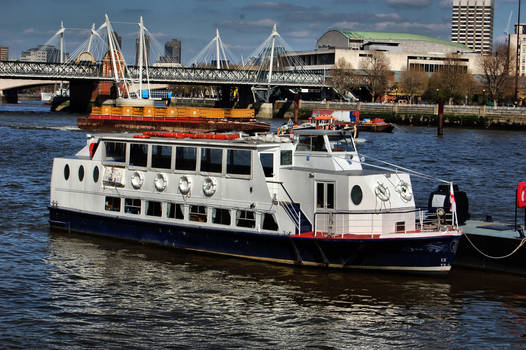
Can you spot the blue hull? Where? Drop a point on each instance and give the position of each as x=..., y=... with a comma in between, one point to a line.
x=422, y=255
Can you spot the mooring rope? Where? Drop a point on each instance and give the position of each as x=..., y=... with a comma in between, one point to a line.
x=495, y=257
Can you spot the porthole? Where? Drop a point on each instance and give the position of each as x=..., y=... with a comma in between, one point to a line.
x=66, y=172
x=96, y=174
x=356, y=195
x=81, y=173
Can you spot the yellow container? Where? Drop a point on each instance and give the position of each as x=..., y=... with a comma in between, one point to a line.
x=160, y=111
x=96, y=110
x=149, y=111
x=127, y=111
x=171, y=112
x=105, y=110
x=137, y=112
x=116, y=111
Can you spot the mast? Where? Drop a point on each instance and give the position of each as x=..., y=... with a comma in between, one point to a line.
x=141, y=50
x=112, y=52
x=218, y=65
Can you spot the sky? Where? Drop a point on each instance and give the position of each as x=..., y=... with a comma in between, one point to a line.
x=243, y=24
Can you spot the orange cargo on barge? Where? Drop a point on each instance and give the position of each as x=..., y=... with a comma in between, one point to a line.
x=173, y=119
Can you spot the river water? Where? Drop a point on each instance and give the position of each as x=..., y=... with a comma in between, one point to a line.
x=66, y=291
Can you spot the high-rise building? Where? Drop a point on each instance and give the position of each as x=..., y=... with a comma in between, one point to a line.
x=172, y=52
x=472, y=24
x=512, y=44
x=4, y=53
x=43, y=53
x=146, y=57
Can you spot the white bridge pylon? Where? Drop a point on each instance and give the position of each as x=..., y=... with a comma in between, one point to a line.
x=213, y=51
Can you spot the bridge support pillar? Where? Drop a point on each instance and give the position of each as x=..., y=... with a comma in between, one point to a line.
x=10, y=96
x=80, y=94
x=266, y=110
x=245, y=96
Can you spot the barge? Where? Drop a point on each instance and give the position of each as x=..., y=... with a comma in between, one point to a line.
x=306, y=199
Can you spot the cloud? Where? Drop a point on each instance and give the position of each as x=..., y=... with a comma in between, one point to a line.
x=29, y=31
x=265, y=23
x=408, y=3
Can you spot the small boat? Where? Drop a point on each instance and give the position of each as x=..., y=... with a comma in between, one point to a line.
x=375, y=125
x=306, y=199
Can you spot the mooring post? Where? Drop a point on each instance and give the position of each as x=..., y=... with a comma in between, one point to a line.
x=440, y=128
x=296, y=107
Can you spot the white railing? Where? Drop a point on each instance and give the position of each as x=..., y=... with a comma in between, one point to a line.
x=334, y=223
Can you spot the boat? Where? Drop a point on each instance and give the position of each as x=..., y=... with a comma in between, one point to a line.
x=306, y=199
x=111, y=118
x=375, y=125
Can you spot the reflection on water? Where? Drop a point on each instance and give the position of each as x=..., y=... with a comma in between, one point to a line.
x=66, y=291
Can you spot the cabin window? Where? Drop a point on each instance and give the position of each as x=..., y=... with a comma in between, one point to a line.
x=311, y=143
x=115, y=152
x=96, y=174
x=81, y=173
x=185, y=158
x=356, y=195
x=400, y=227
x=198, y=213
x=112, y=204
x=341, y=143
x=286, y=157
x=267, y=161
x=175, y=211
x=161, y=157
x=132, y=206
x=238, y=162
x=154, y=208
x=66, y=172
x=245, y=218
x=325, y=195
x=211, y=160
x=221, y=216
x=269, y=222
x=138, y=154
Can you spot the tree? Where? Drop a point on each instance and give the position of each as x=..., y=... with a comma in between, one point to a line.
x=449, y=81
x=376, y=70
x=413, y=82
x=497, y=69
x=342, y=77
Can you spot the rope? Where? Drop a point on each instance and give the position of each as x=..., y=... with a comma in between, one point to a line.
x=523, y=241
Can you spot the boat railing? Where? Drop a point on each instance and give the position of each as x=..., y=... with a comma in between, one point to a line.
x=374, y=222
x=282, y=197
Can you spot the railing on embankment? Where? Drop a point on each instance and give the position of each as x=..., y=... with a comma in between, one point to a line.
x=425, y=114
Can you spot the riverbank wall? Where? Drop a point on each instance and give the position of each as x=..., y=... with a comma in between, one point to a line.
x=479, y=117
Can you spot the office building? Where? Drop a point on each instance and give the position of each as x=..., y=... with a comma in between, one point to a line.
x=472, y=24
x=172, y=52
x=43, y=53
x=521, y=31
x=4, y=53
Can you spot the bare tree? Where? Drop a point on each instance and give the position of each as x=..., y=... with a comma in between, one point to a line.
x=413, y=82
x=376, y=69
x=497, y=69
x=449, y=81
x=342, y=77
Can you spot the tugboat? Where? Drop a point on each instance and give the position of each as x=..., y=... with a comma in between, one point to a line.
x=306, y=199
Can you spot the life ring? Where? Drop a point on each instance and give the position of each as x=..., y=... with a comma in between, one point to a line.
x=209, y=186
x=382, y=192
x=160, y=182
x=404, y=189
x=137, y=179
x=185, y=185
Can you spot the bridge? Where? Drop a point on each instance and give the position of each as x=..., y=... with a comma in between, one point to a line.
x=268, y=69
x=159, y=75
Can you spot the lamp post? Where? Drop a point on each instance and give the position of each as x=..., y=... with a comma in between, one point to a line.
x=483, y=97
x=437, y=95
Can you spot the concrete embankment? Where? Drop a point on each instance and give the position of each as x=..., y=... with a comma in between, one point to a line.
x=483, y=117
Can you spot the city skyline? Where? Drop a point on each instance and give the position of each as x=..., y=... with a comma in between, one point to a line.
x=243, y=24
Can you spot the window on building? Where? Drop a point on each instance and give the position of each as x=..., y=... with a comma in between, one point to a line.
x=198, y=213
x=115, y=151
x=211, y=160
x=185, y=158
x=138, y=154
x=221, y=216
x=245, y=218
x=161, y=157
x=132, y=206
x=176, y=211
x=238, y=162
x=112, y=203
x=154, y=208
